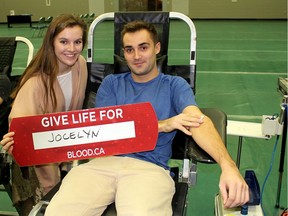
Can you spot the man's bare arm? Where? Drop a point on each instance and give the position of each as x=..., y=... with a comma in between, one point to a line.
x=233, y=187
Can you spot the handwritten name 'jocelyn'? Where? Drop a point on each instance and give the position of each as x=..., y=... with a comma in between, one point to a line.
x=80, y=134
x=83, y=135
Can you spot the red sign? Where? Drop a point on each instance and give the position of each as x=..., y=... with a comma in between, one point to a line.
x=83, y=134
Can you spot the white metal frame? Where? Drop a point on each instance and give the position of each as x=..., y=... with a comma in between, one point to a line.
x=172, y=15
x=30, y=47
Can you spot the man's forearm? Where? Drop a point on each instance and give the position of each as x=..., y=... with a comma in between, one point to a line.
x=207, y=137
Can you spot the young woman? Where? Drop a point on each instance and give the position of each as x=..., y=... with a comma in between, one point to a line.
x=54, y=81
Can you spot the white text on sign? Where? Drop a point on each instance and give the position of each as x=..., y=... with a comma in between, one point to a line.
x=85, y=153
x=82, y=117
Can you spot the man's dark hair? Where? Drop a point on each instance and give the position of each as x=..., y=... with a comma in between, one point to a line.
x=138, y=25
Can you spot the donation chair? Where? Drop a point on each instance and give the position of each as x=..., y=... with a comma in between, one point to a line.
x=184, y=147
x=163, y=22
x=8, y=46
x=8, y=49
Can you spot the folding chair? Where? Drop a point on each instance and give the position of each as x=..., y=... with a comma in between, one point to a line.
x=86, y=17
x=91, y=18
x=48, y=21
x=8, y=48
x=40, y=26
x=184, y=147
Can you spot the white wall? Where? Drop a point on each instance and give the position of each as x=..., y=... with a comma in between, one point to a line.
x=167, y=5
x=96, y=6
x=181, y=6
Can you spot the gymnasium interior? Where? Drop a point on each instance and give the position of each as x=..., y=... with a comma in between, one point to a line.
x=241, y=58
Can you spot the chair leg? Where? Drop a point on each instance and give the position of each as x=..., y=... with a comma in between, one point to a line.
x=179, y=202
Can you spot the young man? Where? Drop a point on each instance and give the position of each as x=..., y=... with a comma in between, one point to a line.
x=140, y=183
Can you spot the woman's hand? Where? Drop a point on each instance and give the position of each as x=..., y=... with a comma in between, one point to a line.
x=7, y=142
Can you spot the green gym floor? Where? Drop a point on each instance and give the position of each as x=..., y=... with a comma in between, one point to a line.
x=238, y=66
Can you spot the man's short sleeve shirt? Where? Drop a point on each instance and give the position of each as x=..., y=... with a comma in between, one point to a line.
x=169, y=96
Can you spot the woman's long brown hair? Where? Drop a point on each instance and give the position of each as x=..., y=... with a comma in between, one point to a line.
x=45, y=61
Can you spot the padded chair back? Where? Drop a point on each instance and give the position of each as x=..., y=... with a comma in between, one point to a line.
x=8, y=46
x=161, y=20
x=7, y=51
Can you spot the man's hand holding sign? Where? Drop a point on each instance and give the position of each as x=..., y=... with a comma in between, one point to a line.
x=84, y=134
